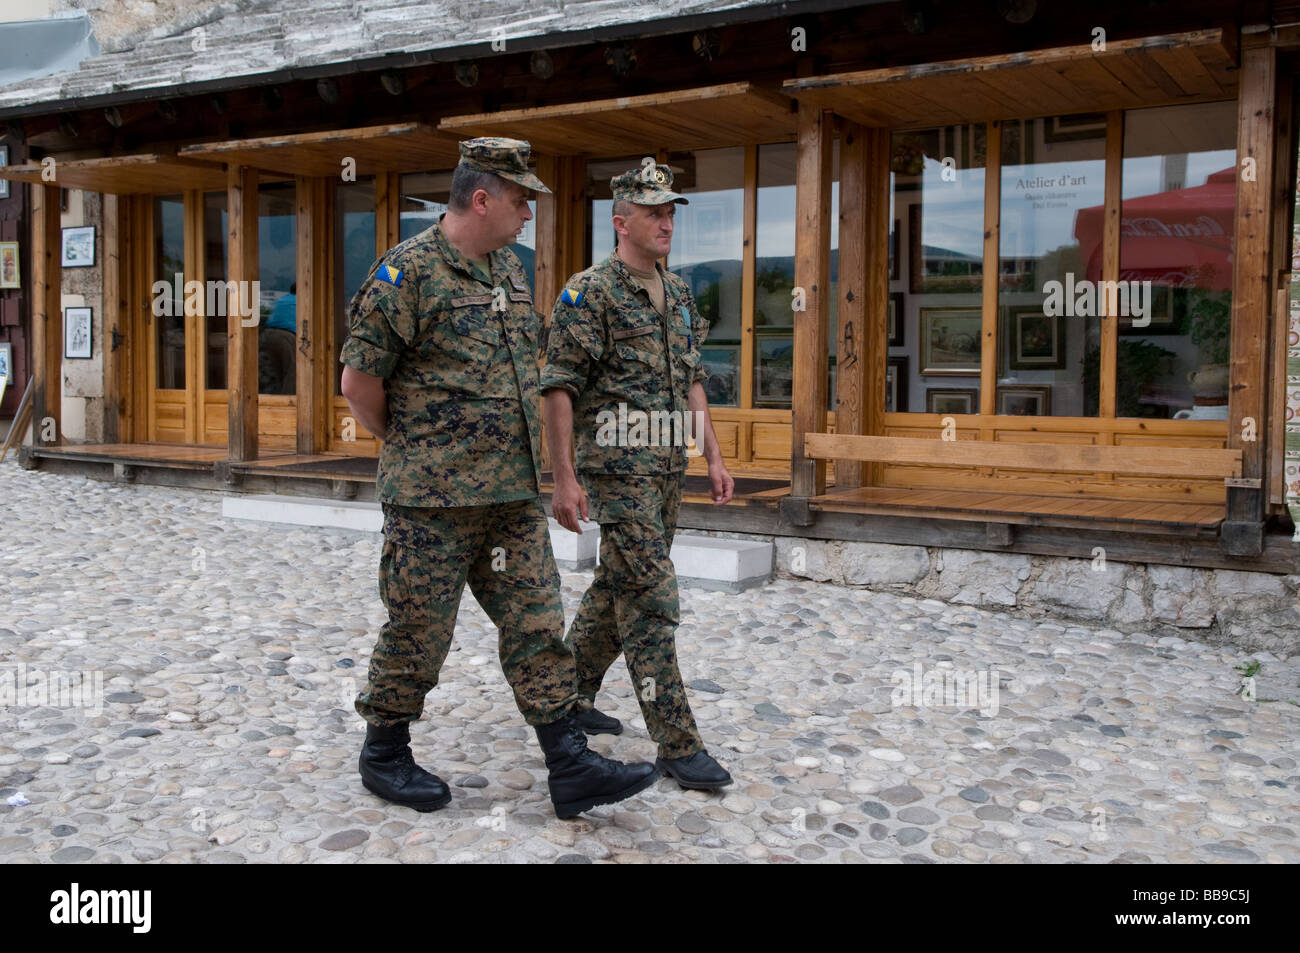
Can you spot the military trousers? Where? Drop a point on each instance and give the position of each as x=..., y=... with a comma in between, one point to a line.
x=632, y=606
x=504, y=551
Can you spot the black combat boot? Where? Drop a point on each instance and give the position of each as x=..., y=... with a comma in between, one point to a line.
x=579, y=778
x=696, y=771
x=389, y=770
x=598, y=723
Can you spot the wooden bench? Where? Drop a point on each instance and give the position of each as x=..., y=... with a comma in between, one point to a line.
x=982, y=505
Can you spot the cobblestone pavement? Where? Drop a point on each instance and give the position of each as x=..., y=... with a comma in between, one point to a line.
x=230, y=653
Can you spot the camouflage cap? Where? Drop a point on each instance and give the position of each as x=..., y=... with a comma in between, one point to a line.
x=646, y=186
x=507, y=158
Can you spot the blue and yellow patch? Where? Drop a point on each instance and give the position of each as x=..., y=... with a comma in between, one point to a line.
x=569, y=296
x=390, y=274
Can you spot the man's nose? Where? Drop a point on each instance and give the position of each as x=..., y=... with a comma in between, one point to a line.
x=528, y=213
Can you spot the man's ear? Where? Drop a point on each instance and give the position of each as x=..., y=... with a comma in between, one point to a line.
x=478, y=201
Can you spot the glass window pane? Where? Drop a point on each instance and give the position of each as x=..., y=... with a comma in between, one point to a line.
x=774, y=275
x=277, y=262
x=1179, y=196
x=215, y=235
x=169, y=266
x=1049, y=329
x=707, y=252
x=600, y=205
x=937, y=270
x=354, y=243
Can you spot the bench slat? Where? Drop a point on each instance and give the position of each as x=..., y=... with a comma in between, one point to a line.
x=1068, y=458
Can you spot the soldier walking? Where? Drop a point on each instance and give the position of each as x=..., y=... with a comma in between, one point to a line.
x=441, y=364
x=625, y=338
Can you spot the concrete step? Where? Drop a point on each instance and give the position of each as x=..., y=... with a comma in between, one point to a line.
x=702, y=562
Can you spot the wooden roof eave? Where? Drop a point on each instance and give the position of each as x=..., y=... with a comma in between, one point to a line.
x=697, y=118
x=1199, y=66
x=146, y=173
x=394, y=147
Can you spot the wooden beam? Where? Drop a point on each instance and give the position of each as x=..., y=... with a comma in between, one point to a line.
x=877, y=160
x=812, y=276
x=192, y=205
x=856, y=349
x=117, y=380
x=1110, y=238
x=1043, y=457
x=992, y=268
x=47, y=316
x=241, y=340
x=1253, y=284
x=309, y=314
x=1284, y=179
x=748, y=273
x=547, y=280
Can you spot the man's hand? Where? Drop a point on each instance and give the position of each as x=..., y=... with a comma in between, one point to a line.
x=721, y=485
x=568, y=502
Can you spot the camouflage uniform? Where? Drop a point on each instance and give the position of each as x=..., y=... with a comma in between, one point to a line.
x=608, y=345
x=459, y=471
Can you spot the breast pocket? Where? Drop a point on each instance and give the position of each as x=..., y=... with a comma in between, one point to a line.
x=466, y=347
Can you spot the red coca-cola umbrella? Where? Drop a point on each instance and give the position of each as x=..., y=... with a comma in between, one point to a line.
x=1179, y=238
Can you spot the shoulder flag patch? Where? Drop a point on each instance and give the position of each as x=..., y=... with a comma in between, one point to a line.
x=390, y=274
x=569, y=296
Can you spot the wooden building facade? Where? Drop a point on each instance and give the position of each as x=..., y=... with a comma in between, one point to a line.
x=972, y=279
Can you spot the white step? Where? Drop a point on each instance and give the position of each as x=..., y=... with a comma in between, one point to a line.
x=702, y=562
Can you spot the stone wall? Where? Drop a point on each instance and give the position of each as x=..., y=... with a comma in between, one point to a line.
x=1255, y=612
x=83, y=380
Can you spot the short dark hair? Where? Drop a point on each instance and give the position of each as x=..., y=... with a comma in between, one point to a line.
x=622, y=207
x=466, y=181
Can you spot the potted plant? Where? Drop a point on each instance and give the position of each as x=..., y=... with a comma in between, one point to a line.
x=1210, y=313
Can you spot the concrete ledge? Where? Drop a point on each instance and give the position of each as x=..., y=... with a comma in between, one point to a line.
x=339, y=514
x=726, y=565
x=702, y=562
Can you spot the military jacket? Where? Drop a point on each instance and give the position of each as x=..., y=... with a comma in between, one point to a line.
x=620, y=358
x=457, y=350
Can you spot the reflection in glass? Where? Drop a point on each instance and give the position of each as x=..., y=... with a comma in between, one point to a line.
x=215, y=234
x=600, y=208
x=707, y=253
x=354, y=250
x=277, y=258
x=774, y=271
x=169, y=262
x=1179, y=195
x=1049, y=329
x=935, y=321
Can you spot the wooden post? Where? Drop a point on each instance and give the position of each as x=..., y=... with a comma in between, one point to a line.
x=1252, y=294
x=241, y=342
x=748, y=270
x=1107, y=384
x=857, y=350
x=812, y=277
x=192, y=204
x=989, y=301
x=47, y=316
x=547, y=259
x=116, y=379
x=312, y=316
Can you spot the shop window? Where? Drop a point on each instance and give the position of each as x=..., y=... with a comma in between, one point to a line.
x=216, y=233
x=1049, y=324
x=354, y=253
x=277, y=270
x=936, y=270
x=600, y=206
x=1176, y=232
x=774, y=276
x=169, y=261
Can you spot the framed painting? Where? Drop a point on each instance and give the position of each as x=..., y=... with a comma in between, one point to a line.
x=1025, y=401
x=894, y=321
x=946, y=400
x=1037, y=340
x=723, y=365
x=950, y=341
x=76, y=332
x=79, y=247
x=9, y=274
x=1075, y=127
x=774, y=370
